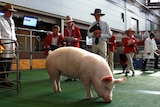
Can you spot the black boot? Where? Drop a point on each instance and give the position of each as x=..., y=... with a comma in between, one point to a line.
x=126, y=73
x=133, y=73
x=144, y=65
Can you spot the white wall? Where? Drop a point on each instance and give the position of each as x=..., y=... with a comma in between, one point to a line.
x=81, y=9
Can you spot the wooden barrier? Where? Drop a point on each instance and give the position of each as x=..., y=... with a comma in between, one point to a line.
x=24, y=64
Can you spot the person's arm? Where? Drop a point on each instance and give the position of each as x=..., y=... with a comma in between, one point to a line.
x=78, y=35
x=47, y=42
x=106, y=33
x=90, y=34
x=146, y=44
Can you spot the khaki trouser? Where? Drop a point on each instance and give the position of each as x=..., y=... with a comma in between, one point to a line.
x=100, y=49
x=130, y=61
x=111, y=60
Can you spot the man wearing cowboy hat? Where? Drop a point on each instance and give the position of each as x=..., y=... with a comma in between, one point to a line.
x=99, y=31
x=72, y=36
x=7, y=36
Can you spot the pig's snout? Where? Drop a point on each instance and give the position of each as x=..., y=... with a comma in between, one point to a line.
x=108, y=100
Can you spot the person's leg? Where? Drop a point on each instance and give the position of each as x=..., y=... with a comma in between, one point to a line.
x=111, y=62
x=144, y=65
x=9, y=65
x=156, y=62
x=102, y=48
x=124, y=67
x=2, y=69
x=132, y=66
x=5, y=67
x=94, y=48
x=129, y=62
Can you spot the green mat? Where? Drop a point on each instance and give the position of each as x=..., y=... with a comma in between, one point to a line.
x=143, y=90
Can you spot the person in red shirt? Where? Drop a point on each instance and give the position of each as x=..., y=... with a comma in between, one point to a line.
x=53, y=40
x=111, y=49
x=129, y=43
x=72, y=36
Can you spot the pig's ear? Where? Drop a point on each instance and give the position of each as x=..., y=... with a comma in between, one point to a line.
x=107, y=78
x=120, y=80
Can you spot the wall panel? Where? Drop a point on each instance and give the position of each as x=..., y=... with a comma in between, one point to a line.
x=81, y=9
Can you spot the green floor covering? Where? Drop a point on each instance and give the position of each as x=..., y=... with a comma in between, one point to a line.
x=143, y=90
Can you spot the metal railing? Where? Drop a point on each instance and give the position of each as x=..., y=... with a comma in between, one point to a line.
x=16, y=72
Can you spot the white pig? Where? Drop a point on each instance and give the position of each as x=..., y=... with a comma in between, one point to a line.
x=90, y=68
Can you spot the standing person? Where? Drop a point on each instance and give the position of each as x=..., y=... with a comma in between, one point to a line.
x=53, y=40
x=99, y=31
x=72, y=36
x=7, y=36
x=111, y=49
x=129, y=43
x=150, y=47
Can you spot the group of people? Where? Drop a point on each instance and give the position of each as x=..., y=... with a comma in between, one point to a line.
x=99, y=31
x=102, y=37
x=151, y=51
x=72, y=37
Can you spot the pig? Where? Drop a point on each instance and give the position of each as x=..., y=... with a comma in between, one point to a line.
x=78, y=63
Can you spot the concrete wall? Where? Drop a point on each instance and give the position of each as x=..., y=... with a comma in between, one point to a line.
x=81, y=9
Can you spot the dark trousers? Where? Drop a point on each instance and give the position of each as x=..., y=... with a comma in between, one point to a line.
x=53, y=47
x=146, y=60
x=5, y=65
x=124, y=66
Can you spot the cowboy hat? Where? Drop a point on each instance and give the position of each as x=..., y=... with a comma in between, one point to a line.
x=9, y=7
x=98, y=12
x=68, y=19
x=130, y=30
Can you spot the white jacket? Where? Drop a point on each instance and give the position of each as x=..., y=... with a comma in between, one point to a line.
x=7, y=32
x=150, y=46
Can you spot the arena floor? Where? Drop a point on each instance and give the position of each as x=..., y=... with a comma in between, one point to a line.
x=142, y=90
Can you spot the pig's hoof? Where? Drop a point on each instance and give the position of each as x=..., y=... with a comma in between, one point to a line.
x=57, y=91
x=90, y=98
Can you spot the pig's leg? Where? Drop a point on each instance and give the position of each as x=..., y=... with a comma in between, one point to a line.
x=55, y=79
x=58, y=83
x=54, y=84
x=87, y=86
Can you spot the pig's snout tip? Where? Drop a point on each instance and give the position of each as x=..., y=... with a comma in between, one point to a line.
x=109, y=101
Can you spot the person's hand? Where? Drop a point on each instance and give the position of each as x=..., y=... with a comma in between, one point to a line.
x=65, y=38
x=72, y=39
x=1, y=48
x=48, y=47
x=97, y=33
x=109, y=43
x=158, y=51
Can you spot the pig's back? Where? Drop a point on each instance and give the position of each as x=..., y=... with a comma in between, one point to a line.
x=73, y=54
x=67, y=52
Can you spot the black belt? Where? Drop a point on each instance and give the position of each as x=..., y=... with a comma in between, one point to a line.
x=8, y=42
